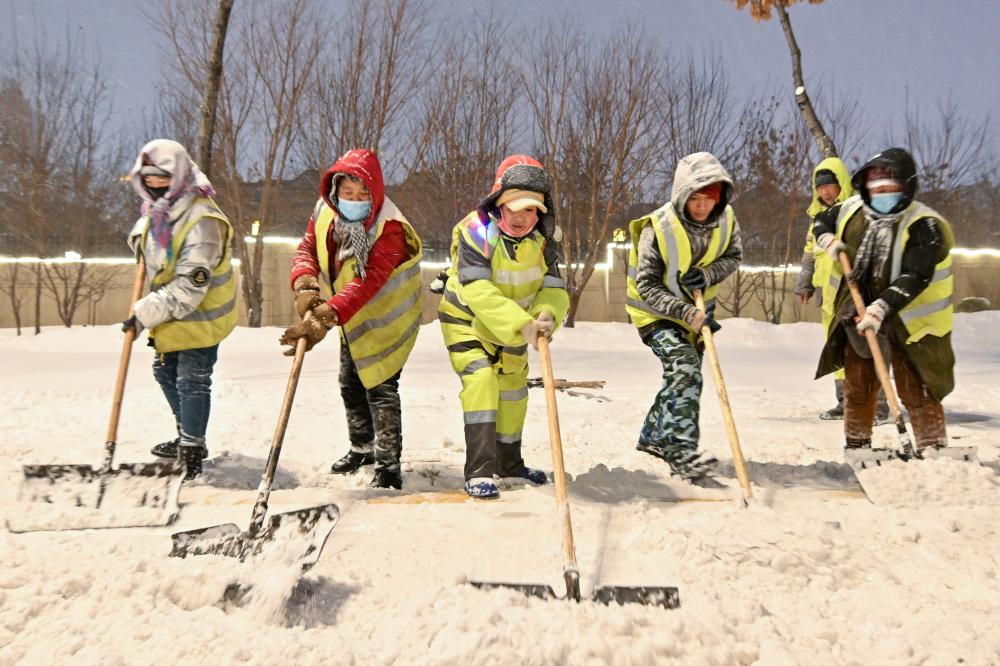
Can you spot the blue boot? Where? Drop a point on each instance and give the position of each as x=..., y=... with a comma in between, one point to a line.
x=536, y=476
x=482, y=487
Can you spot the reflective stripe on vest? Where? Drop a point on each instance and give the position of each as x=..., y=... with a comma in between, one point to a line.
x=381, y=334
x=847, y=210
x=675, y=248
x=216, y=315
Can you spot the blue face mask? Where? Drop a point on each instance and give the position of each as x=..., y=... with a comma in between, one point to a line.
x=355, y=211
x=886, y=201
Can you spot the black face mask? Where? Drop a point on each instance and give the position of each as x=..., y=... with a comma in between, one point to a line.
x=157, y=192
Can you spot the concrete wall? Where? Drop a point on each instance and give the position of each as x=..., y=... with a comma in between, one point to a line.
x=603, y=299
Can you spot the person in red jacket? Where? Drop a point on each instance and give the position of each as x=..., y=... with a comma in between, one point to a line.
x=370, y=255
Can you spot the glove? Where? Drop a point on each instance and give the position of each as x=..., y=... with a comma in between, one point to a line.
x=439, y=283
x=306, y=294
x=831, y=245
x=700, y=320
x=546, y=323
x=874, y=314
x=530, y=332
x=132, y=324
x=312, y=329
x=695, y=279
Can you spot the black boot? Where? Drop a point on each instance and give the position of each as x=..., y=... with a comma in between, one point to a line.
x=351, y=462
x=387, y=478
x=191, y=456
x=169, y=450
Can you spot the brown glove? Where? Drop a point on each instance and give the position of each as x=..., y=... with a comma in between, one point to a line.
x=313, y=328
x=307, y=296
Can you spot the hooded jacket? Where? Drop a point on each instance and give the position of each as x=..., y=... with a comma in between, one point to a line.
x=693, y=173
x=185, y=241
x=923, y=252
x=388, y=252
x=815, y=262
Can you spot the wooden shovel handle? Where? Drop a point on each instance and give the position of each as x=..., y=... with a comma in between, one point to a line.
x=123, y=361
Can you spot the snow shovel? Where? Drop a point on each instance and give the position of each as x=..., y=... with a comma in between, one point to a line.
x=294, y=537
x=84, y=497
x=666, y=597
x=865, y=458
x=727, y=412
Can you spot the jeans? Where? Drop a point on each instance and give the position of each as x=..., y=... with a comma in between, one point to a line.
x=186, y=380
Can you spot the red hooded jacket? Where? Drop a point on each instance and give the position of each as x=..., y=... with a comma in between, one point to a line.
x=388, y=252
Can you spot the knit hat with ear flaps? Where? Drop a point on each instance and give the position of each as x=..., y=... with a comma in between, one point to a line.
x=525, y=173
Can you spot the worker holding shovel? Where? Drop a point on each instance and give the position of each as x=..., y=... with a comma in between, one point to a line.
x=503, y=288
x=360, y=242
x=185, y=240
x=686, y=247
x=899, y=249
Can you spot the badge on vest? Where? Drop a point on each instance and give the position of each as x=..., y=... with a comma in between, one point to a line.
x=200, y=277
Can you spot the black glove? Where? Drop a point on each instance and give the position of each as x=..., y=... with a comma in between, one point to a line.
x=132, y=324
x=713, y=325
x=695, y=279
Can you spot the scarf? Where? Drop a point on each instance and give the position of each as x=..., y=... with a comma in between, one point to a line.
x=875, y=246
x=352, y=241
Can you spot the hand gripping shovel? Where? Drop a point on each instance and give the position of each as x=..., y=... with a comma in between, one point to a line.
x=727, y=413
x=294, y=537
x=861, y=459
x=667, y=597
x=82, y=496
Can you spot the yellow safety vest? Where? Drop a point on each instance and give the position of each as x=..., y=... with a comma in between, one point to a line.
x=675, y=249
x=518, y=278
x=833, y=273
x=382, y=333
x=216, y=315
x=931, y=312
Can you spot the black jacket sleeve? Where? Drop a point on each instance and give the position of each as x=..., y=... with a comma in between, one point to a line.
x=924, y=249
x=826, y=221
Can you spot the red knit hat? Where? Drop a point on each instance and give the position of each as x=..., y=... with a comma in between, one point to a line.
x=714, y=191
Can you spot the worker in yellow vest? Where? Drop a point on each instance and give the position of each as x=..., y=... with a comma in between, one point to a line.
x=503, y=289
x=185, y=241
x=692, y=243
x=831, y=185
x=900, y=254
x=360, y=242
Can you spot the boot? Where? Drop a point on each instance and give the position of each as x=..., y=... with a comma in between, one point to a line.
x=853, y=443
x=482, y=487
x=352, y=462
x=191, y=457
x=536, y=476
x=169, y=450
x=387, y=478
x=833, y=414
x=692, y=466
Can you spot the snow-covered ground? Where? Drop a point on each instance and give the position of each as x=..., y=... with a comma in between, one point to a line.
x=811, y=573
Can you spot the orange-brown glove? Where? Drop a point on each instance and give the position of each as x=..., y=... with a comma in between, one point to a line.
x=312, y=328
x=307, y=296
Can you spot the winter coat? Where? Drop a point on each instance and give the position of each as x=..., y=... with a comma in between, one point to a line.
x=654, y=293
x=192, y=298
x=379, y=311
x=815, y=262
x=915, y=284
x=498, y=284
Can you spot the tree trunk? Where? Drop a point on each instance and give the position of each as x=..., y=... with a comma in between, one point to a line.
x=38, y=298
x=812, y=121
x=206, y=123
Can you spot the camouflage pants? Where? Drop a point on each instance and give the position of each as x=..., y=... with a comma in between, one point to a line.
x=672, y=422
x=373, y=414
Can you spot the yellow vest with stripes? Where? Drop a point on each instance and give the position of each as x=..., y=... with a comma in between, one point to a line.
x=675, y=249
x=382, y=333
x=833, y=273
x=518, y=278
x=931, y=312
x=216, y=315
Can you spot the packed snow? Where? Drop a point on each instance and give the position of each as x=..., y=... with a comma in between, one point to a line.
x=811, y=572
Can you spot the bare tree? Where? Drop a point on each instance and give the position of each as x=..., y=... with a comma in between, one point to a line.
x=760, y=10
x=206, y=123
x=601, y=135
x=11, y=286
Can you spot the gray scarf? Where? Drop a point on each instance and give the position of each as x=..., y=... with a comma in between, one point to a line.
x=875, y=246
x=352, y=241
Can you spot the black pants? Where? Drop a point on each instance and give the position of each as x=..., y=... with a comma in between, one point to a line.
x=373, y=415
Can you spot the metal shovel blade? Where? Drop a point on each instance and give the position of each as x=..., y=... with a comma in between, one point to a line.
x=288, y=538
x=863, y=459
x=59, y=497
x=961, y=453
x=537, y=591
x=665, y=597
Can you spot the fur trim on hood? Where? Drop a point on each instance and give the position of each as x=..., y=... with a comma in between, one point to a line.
x=521, y=172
